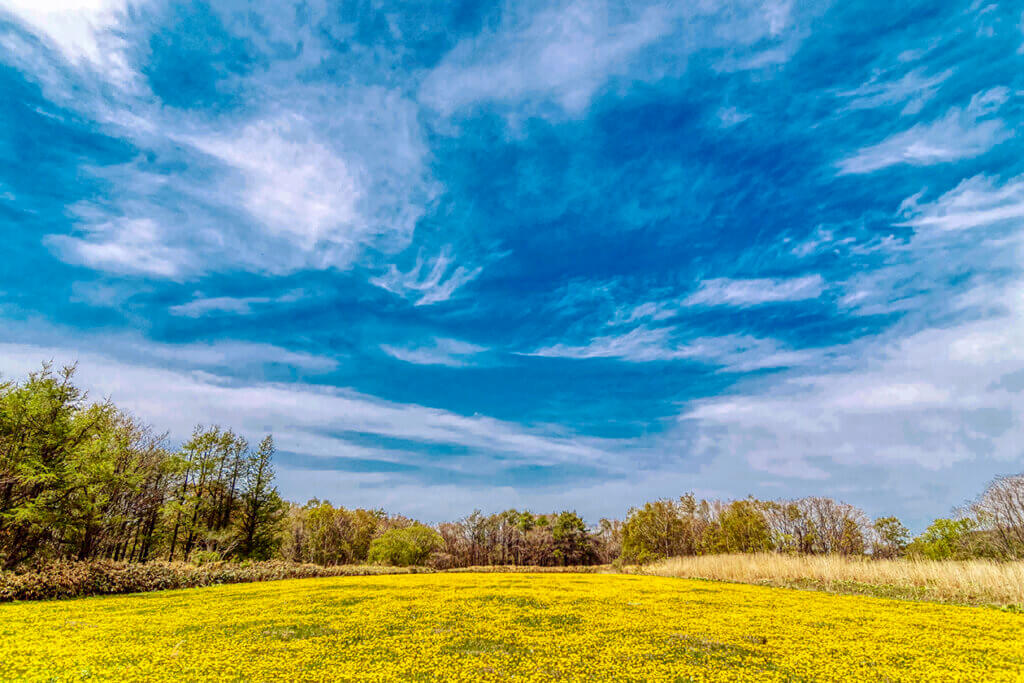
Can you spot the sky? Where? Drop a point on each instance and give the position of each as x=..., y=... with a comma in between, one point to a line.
x=557, y=255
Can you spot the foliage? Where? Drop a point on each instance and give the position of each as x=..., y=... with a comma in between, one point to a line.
x=891, y=537
x=86, y=481
x=663, y=528
x=944, y=539
x=104, y=577
x=405, y=547
x=742, y=528
x=261, y=507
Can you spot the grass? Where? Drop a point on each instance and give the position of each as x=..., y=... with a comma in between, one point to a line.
x=973, y=582
x=483, y=627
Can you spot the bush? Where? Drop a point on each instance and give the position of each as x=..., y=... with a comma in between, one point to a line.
x=205, y=557
x=410, y=546
x=79, y=579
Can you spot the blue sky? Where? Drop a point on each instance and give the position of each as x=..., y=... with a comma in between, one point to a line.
x=551, y=255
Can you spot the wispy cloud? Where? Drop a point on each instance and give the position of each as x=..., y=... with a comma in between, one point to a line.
x=960, y=134
x=85, y=32
x=975, y=202
x=929, y=399
x=755, y=292
x=438, y=351
x=738, y=353
x=201, y=306
x=913, y=89
x=944, y=387
x=558, y=59
x=292, y=182
x=731, y=116
x=435, y=285
x=133, y=245
x=304, y=418
x=564, y=53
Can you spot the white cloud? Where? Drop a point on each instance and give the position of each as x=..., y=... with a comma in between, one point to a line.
x=755, y=292
x=433, y=286
x=736, y=353
x=273, y=197
x=975, y=202
x=201, y=306
x=960, y=134
x=123, y=245
x=80, y=29
x=913, y=90
x=439, y=351
x=931, y=392
x=639, y=345
x=565, y=54
x=731, y=116
x=293, y=183
x=929, y=400
x=305, y=418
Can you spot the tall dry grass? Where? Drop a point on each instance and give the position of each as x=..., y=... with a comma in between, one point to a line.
x=974, y=582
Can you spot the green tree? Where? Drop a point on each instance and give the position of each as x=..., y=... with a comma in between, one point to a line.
x=891, y=537
x=944, y=539
x=572, y=542
x=45, y=424
x=664, y=528
x=405, y=547
x=262, y=509
x=742, y=528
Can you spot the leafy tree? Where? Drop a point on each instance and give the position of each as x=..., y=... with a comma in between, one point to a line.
x=408, y=546
x=742, y=528
x=262, y=509
x=891, y=537
x=573, y=545
x=664, y=528
x=944, y=539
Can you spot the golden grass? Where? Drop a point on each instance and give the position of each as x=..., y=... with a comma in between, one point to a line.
x=974, y=582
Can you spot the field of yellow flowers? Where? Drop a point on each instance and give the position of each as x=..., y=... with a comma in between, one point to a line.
x=505, y=627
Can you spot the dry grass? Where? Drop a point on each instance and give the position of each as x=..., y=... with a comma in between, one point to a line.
x=975, y=582
x=531, y=569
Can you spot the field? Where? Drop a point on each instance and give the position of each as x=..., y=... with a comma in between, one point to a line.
x=971, y=582
x=505, y=627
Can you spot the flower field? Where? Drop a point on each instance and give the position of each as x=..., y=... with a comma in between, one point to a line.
x=505, y=627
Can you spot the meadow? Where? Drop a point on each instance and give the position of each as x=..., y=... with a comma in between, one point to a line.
x=969, y=582
x=472, y=626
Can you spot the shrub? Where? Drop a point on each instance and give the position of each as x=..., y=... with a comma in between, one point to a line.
x=944, y=539
x=202, y=557
x=79, y=579
x=409, y=546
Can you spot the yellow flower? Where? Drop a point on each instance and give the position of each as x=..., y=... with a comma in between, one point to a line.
x=525, y=627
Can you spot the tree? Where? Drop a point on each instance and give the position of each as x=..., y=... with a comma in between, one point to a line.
x=262, y=508
x=944, y=539
x=404, y=547
x=45, y=424
x=742, y=528
x=891, y=537
x=573, y=545
x=664, y=528
x=1000, y=514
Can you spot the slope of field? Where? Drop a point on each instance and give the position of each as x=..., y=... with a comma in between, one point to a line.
x=505, y=626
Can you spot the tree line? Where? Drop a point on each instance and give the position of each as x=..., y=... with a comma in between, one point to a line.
x=83, y=480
